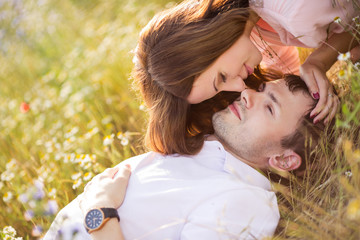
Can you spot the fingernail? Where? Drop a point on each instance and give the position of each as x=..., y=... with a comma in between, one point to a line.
x=316, y=121
x=312, y=115
x=316, y=95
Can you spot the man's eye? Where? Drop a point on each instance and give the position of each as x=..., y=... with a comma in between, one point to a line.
x=223, y=77
x=270, y=109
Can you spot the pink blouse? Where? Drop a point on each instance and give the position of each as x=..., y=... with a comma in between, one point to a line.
x=305, y=23
x=301, y=23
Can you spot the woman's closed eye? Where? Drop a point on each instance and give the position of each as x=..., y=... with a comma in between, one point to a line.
x=220, y=78
x=223, y=77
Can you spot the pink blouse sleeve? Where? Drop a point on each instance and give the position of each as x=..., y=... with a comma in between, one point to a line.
x=306, y=23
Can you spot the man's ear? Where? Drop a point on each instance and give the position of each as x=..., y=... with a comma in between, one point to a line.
x=288, y=161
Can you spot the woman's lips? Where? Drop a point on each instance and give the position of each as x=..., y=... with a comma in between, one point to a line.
x=233, y=108
x=249, y=69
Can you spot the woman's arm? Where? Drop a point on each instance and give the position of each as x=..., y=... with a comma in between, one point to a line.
x=313, y=71
x=106, y=190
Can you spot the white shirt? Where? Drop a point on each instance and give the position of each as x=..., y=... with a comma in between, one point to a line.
x=211, y=195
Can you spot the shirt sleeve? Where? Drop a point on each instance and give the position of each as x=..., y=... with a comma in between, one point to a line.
x=244, y=214
x=301, y=23
x=68, y=224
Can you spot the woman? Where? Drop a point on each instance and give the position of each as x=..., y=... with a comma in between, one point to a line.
x=189, y=53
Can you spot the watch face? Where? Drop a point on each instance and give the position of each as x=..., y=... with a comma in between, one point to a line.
x=94, y=218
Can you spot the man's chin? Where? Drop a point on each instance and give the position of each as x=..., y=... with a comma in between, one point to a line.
x=223, y=114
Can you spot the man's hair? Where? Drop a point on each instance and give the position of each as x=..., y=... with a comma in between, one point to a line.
x=174, y=48
x=307, y=134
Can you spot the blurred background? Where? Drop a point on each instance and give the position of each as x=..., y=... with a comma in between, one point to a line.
x=67, y=107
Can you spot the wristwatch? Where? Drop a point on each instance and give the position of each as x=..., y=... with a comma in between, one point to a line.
x=97, y=217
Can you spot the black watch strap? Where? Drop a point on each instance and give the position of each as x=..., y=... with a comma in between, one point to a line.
x=110, y=213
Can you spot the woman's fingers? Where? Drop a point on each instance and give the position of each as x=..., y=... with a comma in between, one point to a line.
x=106, y=189
x=330, y=109
x=326, y=110
x=124, y=171
x=314, y=75
x=108, y=173
x=323, y=84
x=334, y=109
x=315, y=78
x=123, y=175
x=310, y=80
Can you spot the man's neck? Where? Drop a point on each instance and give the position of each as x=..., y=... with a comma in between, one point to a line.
x=213, y=137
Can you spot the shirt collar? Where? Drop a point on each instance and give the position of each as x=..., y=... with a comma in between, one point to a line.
x=241, y=170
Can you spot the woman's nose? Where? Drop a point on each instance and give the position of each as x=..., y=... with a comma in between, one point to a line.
x=235, y=84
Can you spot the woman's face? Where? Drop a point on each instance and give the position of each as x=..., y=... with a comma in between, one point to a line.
x=228, y=71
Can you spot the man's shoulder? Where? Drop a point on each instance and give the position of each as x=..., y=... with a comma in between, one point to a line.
x=208, y=148
x=241, y=201
x=245, y=212
x=141, y=160
x=138, y=157
x=252, y=197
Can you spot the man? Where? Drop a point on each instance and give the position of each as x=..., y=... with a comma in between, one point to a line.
x=218, y=193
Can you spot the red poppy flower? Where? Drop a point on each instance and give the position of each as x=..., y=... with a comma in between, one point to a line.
x=24, y=107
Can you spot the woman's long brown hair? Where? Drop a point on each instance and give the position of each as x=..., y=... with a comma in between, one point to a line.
x=176, y=46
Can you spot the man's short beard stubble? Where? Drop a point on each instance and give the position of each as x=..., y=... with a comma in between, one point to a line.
x=236, y=141
x=225, y=133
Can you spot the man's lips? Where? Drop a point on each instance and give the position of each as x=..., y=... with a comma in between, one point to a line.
x=235, y=110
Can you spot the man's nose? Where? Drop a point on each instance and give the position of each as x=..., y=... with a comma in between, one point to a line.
x=247, y=97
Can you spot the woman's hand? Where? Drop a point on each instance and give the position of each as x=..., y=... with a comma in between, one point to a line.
x=106, y=189
x=313, y=72
x=314, y=75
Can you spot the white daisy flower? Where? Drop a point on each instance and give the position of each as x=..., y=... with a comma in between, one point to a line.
x=108, y=140
x=344, y=56
x=337, y=19
x=7, y=197
x=348, y=173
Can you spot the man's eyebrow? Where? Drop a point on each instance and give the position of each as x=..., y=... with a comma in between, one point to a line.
x=272, y=96
x=274, y=99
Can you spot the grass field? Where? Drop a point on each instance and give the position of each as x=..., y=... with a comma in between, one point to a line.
x=68, y=111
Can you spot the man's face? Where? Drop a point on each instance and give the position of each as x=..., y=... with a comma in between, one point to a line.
x=253, y=126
